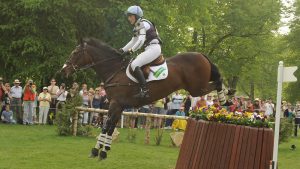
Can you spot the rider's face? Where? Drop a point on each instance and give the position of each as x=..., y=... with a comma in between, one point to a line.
x=131, y=19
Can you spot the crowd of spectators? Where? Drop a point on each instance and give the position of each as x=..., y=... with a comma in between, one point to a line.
x=25, y=105
x=20, y=104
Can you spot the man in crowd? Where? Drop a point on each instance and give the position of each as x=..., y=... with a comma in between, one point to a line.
x=16, y=101
x=28, y=102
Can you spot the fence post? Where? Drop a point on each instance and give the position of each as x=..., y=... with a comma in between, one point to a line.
x=74, y=122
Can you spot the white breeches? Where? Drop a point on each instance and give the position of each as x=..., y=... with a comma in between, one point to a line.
x=151, y=52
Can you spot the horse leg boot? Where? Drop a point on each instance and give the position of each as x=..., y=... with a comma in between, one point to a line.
x=99, y=145
x=138, y=73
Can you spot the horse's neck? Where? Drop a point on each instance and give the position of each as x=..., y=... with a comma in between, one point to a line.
x=105, y=67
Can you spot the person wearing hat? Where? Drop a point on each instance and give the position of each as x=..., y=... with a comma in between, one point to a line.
x=16, y=101
x=28, y=102
x=44, y=99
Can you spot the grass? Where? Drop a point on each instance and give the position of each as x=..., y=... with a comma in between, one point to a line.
x=23, y=147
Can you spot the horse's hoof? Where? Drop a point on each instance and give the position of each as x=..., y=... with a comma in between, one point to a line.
x=107, y=148
x=102, y=155
x=94, y=153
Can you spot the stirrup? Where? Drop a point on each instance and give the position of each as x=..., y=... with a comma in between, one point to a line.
x=142, y=94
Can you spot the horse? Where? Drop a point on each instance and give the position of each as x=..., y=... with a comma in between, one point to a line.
x=190, y=71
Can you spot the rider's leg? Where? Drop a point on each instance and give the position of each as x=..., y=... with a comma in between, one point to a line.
x=150, y=54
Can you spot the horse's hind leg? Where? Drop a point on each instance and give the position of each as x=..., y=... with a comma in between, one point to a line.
x=218, y=83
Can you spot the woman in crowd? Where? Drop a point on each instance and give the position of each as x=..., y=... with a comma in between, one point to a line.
x=61, y=94
x=97, y=119
x=44, y=99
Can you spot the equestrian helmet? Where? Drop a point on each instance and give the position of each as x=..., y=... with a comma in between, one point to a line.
x=135, y=10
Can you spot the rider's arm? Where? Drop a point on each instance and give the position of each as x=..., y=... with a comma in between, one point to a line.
x=130, y=44
x=143, y=27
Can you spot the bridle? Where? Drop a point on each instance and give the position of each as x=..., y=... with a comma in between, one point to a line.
x=83, y=52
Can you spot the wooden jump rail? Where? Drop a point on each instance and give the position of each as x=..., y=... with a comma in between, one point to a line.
x=211, y=145
x=102, y=111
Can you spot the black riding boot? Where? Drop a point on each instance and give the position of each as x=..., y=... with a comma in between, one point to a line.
x=142, y=81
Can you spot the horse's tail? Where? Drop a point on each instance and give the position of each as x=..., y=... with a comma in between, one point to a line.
x=215, y=73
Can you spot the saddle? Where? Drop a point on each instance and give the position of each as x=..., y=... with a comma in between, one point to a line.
x=146, y=68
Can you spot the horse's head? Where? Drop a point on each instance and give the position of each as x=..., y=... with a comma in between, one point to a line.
x=78, y=60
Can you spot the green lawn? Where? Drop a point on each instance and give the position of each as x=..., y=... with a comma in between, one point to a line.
x=23, y=147
x=39, y=147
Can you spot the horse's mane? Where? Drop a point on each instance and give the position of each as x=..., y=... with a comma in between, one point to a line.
x=101, y=45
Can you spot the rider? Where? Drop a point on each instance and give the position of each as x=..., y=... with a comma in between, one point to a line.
x=145, y=35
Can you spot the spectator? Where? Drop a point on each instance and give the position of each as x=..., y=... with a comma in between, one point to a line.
x=177, y=100
x=179, y=124
x=2, y=94
x=297, y=118
x=74, y=89
x=7, y=98
x=52, y=89
x=216, y=104
x=91, y=95
x=61, y=96
x=158, y=108
x=8, y=115
x=28, y=101
x=44, y=99
x=257, y=105
x=34, y=117
x=209, y=101
x=142, y=119
x=200, y=103
x=187, y=104
x=104, y=100
x=269, y=108
x=249, y=106
x=85, y=103
x=83, y=88
x=16, y=102
x=97, y=119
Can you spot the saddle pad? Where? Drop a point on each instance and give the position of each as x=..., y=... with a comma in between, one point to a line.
x=159, y=72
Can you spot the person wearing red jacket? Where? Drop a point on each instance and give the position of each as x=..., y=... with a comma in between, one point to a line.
x=28, y=102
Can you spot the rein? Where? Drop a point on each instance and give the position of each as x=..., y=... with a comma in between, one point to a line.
x=77, y=68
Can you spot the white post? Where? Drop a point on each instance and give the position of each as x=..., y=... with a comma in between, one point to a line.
x=278, y=111
x=122, y=121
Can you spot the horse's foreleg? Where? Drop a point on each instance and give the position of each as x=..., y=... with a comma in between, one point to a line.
x=114, y=114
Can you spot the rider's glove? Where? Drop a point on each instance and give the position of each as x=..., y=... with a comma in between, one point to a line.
x=126, y=53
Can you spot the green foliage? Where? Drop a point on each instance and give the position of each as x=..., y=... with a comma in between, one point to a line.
x=239, y=36
x=158, y=136
x=286, y=130
x=131, y=135
x=63, y=119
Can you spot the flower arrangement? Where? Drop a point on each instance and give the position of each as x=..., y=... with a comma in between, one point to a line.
x=221, y=115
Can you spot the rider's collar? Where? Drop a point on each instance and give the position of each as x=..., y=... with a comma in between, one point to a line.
x=137, y=23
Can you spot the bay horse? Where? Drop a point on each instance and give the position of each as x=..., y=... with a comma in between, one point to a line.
x=190, y=71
